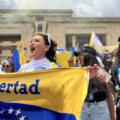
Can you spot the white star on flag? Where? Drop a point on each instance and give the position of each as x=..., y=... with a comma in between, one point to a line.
x=1, y=112
x=10, y=110
x=17, y=112
x=22, y=118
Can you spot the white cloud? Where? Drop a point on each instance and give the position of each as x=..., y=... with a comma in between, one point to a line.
x=98, y=8
x=7, y=4
x=86, y=8
x=46, y=4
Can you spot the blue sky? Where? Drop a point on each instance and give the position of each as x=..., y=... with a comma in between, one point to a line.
x=82, y=8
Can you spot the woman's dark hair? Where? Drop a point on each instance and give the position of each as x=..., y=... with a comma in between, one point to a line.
x=94, y=84
x=90, y=49
x=89, y=59
x=50, y=54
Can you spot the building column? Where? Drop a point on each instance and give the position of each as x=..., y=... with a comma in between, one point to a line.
x=73, y=41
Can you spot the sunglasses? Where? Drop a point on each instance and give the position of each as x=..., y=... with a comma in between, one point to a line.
x=6, y=66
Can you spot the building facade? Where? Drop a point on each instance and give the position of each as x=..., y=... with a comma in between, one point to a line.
x=66, y=29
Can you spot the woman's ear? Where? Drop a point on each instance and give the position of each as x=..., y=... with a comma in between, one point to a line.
x=47, y=48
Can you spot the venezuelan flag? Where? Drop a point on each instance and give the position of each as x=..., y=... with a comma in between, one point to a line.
x=62, y=59
x=18, y=56
x=55, y=94
x=94, y=40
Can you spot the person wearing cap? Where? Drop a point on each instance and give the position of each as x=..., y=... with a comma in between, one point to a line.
x=42, y=54
x=95, y=106
x=88, y=49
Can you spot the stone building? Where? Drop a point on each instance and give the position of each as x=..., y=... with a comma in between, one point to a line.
x=66, y=29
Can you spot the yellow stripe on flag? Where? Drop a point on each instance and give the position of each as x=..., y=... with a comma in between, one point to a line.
x=21, y=53
x=91, y=40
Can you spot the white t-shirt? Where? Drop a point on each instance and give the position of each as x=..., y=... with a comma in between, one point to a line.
x=41, y=64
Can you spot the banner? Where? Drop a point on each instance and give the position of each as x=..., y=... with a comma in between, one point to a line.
x=55, y=94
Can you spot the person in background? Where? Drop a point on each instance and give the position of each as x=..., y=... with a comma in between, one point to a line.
x=42, y=54
x=95, y=106
x=115, y=72
x=114, y=53
x=7, y=66
x=107, y=60
x=92, y=51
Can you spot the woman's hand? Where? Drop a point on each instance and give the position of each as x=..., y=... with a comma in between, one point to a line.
x=71, y=62
x=99, y=73
x=93, y=70
x=103, y=76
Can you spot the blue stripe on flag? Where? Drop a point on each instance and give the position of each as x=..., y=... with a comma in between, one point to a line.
x=16, y=60
x=15, y=111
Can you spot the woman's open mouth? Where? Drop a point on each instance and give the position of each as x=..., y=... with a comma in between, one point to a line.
x=32, y=49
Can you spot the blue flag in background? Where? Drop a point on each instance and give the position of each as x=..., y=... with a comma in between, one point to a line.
x=16, y=61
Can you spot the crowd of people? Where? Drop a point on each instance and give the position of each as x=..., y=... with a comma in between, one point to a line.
x=102, y=101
